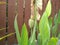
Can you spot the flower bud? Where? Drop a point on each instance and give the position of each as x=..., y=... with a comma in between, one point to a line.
x=38, y=16
x=31, y=23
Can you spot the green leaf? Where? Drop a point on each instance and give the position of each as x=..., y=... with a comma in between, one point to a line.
x=54, y=30
x=24, y=35
x=39, y=40
x=17, y=30
x=59, y=36
x=55, y=27
x=32, y=40
x=53, y=41
x=44, y=25
x=48, y=8
x=50, y=22
x=55, y=20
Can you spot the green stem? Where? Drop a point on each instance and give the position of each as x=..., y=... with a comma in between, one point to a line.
x=31, y=31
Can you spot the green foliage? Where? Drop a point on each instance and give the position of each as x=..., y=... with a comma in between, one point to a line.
x=50, y=22
x=32, y=38
x=55, y=20
x=44, y=25
x=54, y=28
x=17, y=30
x=53, y=41
x=59, y=35
x=39, y=41
x=24, y=35
x=44, y=29
x=56, y=23
x=23, y=40
x=59, y=16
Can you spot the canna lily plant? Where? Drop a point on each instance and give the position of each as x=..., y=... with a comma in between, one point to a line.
x=44, y=27
x=56, y=23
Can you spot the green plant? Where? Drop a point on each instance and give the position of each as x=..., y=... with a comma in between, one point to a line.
x=50, y=22
x=53, y=41
x=24, y=35
x=56, y=23
x=17, y=30
x=54, y=28
x=39, y=40
x=44, y=25
x=23, y=39
x=59, y=36
x=44, y=28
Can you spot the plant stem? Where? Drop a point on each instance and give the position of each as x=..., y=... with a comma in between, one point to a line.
x=31, y=31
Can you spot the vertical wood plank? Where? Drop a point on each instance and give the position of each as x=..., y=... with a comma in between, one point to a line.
x=27, y=12
x=53, y=8
x=20, y=14
x=2, y=21
x=11, y=15
x=44, y=4
x=57, y=6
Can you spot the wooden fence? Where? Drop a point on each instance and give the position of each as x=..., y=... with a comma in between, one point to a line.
x=23, y=16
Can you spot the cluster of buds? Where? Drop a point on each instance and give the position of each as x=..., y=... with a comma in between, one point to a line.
x=32, y=17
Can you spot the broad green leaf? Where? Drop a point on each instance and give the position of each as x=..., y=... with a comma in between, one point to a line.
x=48, y=8
x=39, y=41
x=44, y=25
x=53, y=41
x=17, y=30
x=6, y=36
x=24, y=35
x=50, y=22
